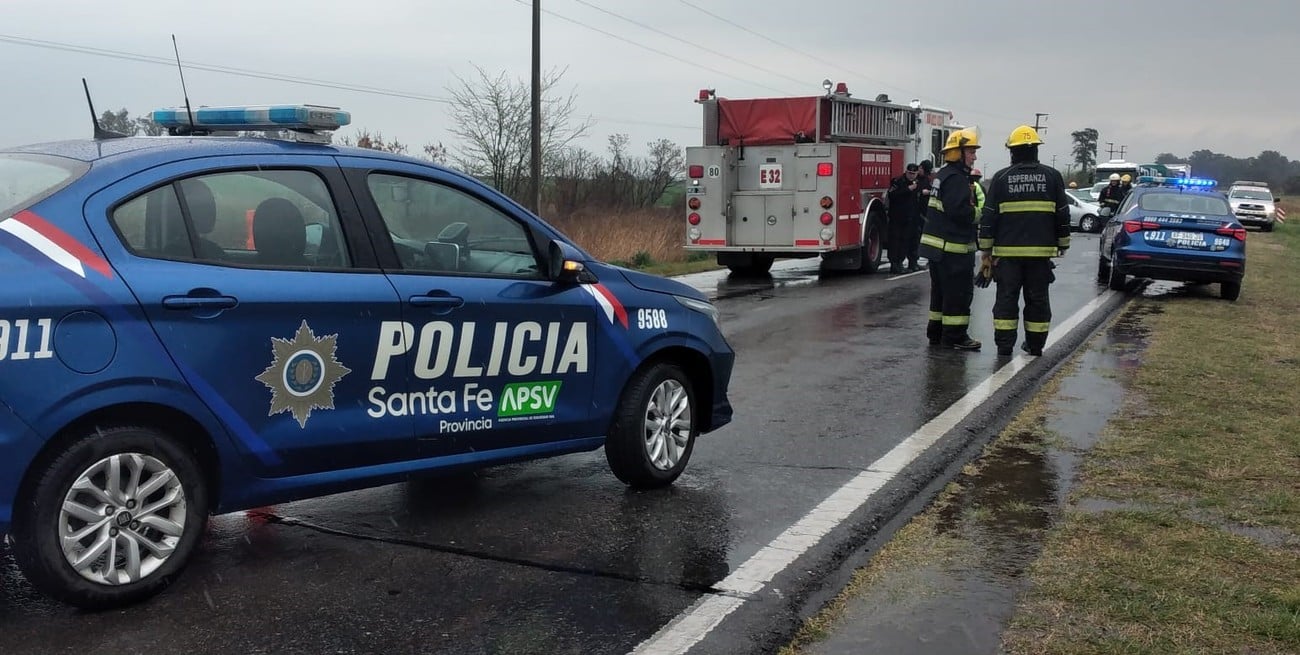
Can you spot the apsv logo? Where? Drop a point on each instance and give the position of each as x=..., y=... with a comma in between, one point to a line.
x=528, y=398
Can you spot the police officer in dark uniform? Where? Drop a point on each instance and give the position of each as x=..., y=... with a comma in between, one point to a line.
x=1025, y=223
x=904, y=214
x=948, y=241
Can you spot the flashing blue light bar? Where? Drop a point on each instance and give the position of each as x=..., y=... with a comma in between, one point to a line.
x=255, y=117
x=1178, y=181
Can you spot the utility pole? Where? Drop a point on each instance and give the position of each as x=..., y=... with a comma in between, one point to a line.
x=536, y=196
x=1053, y=161
x=1122, y=148
x=1040, y=128
x=1110, y=150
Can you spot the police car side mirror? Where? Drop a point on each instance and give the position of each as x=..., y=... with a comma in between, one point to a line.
x=564, y=262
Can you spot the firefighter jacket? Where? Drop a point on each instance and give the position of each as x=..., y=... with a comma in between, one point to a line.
x=950, y=221
x=1111, y=196
x=1027, y=213
x=904, y=203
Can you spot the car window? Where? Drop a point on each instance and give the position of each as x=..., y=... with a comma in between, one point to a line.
x=1184, y=203
x=25, y=179
x=276, y=218
x=440, y=229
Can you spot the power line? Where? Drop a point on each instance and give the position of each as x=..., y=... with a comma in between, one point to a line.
x=654, y=50
x=815, y=58
x=276, y=77
x=689, y=43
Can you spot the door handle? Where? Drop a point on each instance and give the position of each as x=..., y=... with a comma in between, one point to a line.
x=443, y=302
x=200, y=302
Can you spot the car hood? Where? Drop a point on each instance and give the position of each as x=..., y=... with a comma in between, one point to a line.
x=657, y=284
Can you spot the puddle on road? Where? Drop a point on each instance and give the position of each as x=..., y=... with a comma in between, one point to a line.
x=949, y=581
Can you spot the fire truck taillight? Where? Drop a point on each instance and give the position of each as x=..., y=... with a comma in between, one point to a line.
x=825, y=169
x=693, y=219
x=827, y=219
x=695, y=171
x=693, y=203
x=827, y=203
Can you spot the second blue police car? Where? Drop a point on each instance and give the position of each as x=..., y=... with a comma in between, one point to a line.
x=196, y=324
x=1177, y=229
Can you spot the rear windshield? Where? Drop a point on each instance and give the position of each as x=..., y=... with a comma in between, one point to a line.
x=26, y=179
x=1185, y=203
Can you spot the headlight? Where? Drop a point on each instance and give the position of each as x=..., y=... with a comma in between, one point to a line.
x=702, y=306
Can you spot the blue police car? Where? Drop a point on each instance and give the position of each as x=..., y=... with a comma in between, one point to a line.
x=1177, y=229
x=196, y=324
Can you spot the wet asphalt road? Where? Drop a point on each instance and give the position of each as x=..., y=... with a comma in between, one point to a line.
x=558, y=556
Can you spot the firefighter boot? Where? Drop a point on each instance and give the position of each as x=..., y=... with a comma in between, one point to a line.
x=966, y=344
x=1035, y=350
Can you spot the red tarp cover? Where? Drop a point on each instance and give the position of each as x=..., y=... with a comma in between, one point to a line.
x=767, y=121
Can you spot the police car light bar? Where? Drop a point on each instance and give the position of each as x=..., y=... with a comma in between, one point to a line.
x=253, y=118
x=1178, y=181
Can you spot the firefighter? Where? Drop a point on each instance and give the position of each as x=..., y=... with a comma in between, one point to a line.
x=977, y=189
x=1024, y=225
x=1111, y=195
x=924, y=181
x=1125, y=185
x=948, y=242
x=904, y=214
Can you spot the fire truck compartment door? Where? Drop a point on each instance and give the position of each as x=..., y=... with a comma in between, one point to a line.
x=763, y=220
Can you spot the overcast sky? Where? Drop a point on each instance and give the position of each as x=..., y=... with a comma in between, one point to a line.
x=1166, y=77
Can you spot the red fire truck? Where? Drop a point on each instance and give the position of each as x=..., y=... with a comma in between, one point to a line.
x=802, y=177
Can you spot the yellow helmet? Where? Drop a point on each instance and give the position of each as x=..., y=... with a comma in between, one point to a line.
x=1126, y=178
x=963, y=138
x=1023, y=136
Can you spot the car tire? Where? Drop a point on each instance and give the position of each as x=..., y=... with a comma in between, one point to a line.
x=1088, y=223
x=154, y=513
x=1229, y=290
x=1103, y=270
x=653, y=435
x=1116, y=278
x=1267, y=227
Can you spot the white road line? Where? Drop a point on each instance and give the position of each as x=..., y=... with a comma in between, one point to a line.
x=698, y=620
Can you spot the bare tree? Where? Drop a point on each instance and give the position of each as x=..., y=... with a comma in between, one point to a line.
x=667, y=163
x=492, y=118
x=374, y=141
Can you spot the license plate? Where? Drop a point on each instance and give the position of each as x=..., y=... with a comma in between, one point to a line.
x=695, y=191
x=1186, y=240
x=769, y=176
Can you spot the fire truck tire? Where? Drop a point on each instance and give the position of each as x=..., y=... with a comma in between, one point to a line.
x=873, y=243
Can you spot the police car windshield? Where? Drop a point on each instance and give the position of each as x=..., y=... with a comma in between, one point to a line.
x=1184, y=203
x=1250, y=194
x=25, y=179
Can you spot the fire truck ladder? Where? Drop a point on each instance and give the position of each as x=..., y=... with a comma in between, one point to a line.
x=865, y=120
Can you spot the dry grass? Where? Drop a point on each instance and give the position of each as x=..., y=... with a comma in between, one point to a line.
x=637, y=237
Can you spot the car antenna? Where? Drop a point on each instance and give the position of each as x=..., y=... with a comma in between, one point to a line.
x=100, y=132
x=189, y=112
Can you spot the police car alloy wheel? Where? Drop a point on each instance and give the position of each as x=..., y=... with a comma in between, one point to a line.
x=654, y=428
x=1088, y=223
x=112, y=519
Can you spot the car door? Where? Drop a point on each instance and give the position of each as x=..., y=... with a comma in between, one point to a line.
x=264, y=289
x=498, y=355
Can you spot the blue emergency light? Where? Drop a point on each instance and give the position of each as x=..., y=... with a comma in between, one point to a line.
x=1196, y=182
x=253, y=118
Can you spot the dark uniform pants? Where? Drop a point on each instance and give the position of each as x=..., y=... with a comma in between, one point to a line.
x=900, y=239
x=952, y=287
x=1033, y=276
